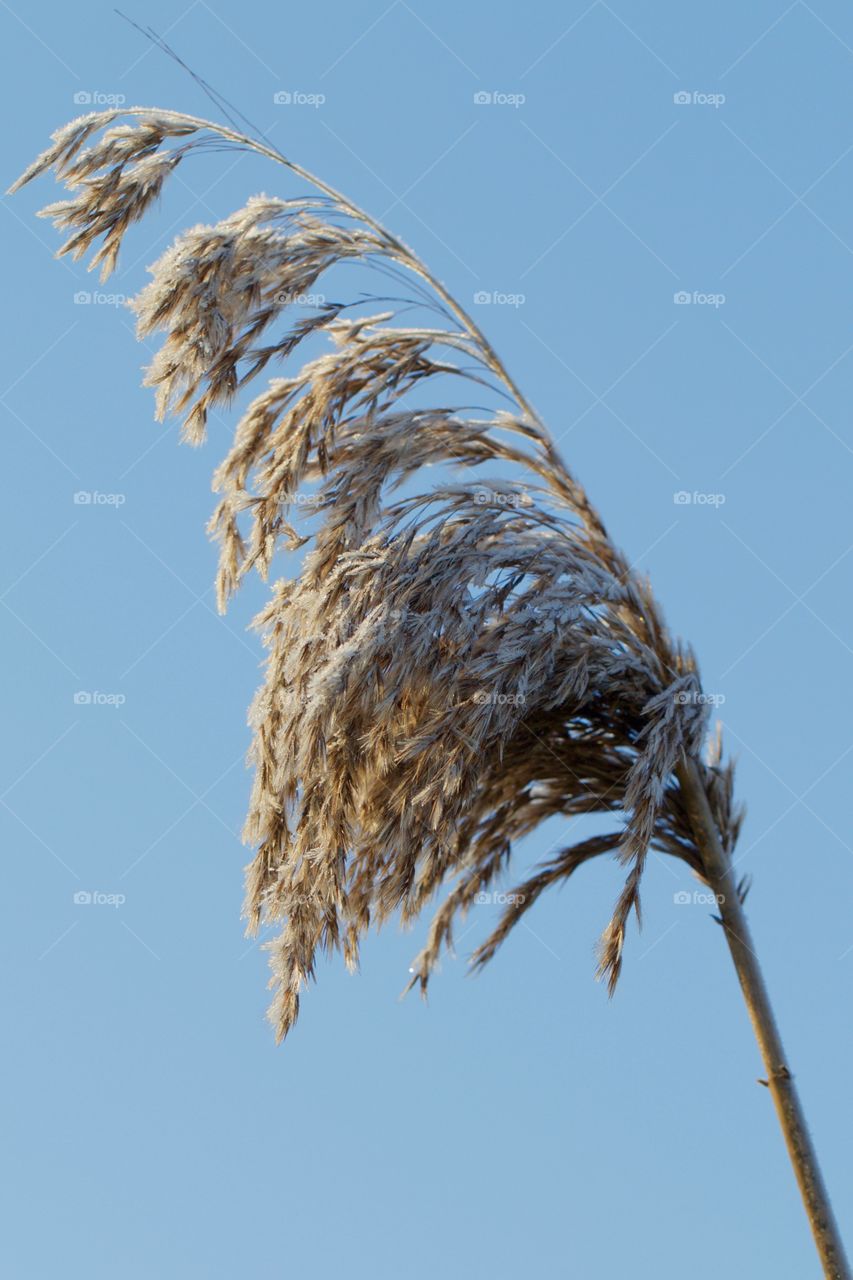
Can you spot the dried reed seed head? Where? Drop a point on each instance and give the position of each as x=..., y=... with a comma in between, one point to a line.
x=452, y=667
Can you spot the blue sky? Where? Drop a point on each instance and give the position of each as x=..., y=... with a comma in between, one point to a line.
x=520, y=1123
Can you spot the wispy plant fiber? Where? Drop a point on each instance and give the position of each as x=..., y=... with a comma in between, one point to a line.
x=456, y=662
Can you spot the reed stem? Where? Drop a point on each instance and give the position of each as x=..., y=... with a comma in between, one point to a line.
x=780, y=1079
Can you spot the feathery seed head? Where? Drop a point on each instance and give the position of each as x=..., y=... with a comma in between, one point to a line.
x=452, y=666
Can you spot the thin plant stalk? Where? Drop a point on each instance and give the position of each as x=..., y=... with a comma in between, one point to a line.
x=780, y=1080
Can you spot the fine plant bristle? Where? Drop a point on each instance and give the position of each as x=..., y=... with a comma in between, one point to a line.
x=456, y=662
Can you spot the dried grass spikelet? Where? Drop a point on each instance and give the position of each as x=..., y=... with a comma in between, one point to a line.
x=453, y=665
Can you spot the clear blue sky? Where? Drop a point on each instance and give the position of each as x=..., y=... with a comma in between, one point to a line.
x=520, y=1124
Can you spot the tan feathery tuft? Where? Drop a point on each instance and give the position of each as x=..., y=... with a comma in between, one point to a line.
x=451, y=667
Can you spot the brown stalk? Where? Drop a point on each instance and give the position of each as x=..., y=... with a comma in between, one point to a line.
x=719, y=873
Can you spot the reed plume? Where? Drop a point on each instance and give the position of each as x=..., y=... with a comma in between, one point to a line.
x=456, y=662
